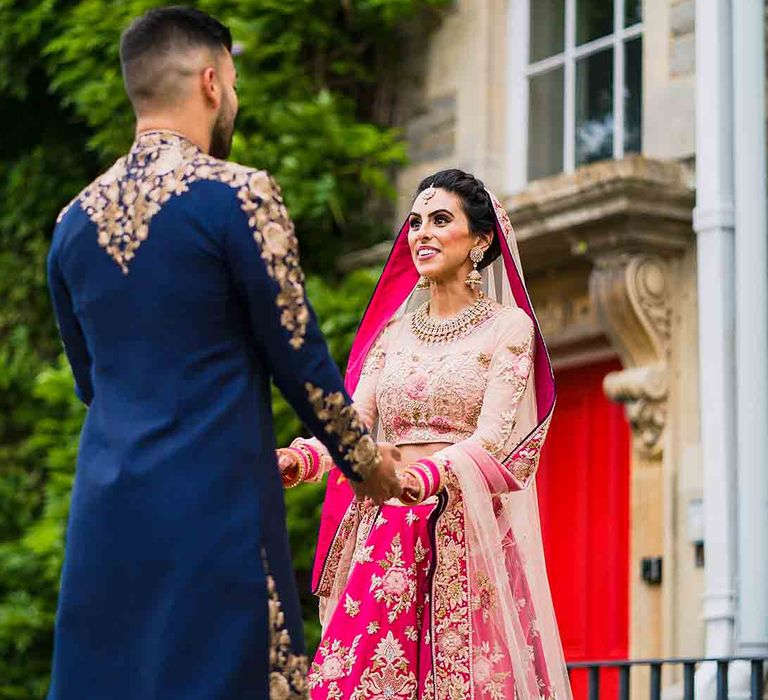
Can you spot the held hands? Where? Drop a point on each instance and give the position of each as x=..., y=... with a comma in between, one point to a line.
x=286, y=461
x=411, y=488
x=386, y=482
x=382, y=483
x=290, y=467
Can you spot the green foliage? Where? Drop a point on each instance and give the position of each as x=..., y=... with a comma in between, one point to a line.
x=31, y=561
x=316, y=89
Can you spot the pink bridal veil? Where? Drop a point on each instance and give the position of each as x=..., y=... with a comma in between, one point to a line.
x=494, y=629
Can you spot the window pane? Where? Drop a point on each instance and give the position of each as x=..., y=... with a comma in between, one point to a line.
x=594, y=107
x=633, y=12
x=594, y=18
x=545, y=124
x=547, y=28
x=633, y=96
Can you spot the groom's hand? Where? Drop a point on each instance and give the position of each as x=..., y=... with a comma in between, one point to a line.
x=382, y=483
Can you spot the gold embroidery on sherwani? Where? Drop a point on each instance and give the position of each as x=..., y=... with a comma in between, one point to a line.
x=162, y=165
x=288, y=671
x=343, y=421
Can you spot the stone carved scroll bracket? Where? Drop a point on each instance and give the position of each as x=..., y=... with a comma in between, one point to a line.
x=631, y=295
x=643, y=391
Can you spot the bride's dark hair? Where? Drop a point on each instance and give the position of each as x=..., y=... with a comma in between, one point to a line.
x=475, y=201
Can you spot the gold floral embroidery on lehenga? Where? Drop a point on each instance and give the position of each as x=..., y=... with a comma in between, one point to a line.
x=397, y=585
x=287, y=675
x=451, y=613
x=337, y=663
x=349, y=522
x=351, y=606
x=163, y=165
x=343, y=422
x=389, y=676
x=490, y=683
x=484, y=599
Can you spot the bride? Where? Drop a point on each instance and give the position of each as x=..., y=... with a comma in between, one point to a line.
x=442, y=594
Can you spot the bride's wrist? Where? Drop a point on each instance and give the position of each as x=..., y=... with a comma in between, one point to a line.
x=319, y=462
x=428, y=475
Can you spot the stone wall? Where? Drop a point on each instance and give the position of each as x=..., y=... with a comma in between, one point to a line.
x=669, y=85
x=456, y=117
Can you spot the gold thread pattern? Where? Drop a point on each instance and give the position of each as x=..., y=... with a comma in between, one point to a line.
x=343, y=422
x=287, y=671
x=162, y=165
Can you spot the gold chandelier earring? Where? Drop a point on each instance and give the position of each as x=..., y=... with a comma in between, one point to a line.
x=474, y=278
x=423, y=282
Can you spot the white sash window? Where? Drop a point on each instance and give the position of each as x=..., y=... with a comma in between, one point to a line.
x=575, y=84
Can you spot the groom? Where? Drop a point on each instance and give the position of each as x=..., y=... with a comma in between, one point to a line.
x=178, y=292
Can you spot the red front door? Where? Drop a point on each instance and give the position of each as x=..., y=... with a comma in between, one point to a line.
x=583, y=485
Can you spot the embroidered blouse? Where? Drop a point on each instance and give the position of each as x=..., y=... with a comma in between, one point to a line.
x=467, y=389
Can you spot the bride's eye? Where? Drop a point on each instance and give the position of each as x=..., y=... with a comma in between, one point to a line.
x=441, y=220
x=414, y=223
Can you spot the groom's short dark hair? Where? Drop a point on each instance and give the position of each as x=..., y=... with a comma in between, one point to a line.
x=150, y=46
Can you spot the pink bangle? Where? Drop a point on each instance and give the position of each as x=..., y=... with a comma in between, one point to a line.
x=434, y=474
x=314, y=457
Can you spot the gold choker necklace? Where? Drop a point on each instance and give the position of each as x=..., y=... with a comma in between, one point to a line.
x=434, y=330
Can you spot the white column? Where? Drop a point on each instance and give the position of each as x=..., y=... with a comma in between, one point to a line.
x=713, y=223
x=751, y=324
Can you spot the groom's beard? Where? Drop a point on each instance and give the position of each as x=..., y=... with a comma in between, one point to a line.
x=221, y=136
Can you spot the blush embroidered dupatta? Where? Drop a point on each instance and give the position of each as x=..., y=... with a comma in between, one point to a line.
x=498, y=635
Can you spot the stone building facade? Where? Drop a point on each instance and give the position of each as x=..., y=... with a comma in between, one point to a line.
x=581, y=114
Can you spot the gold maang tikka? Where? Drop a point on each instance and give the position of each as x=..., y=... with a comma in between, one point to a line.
x=428, y=194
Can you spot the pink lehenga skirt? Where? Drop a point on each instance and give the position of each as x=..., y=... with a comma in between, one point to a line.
x=376, y=645
x=435, y=602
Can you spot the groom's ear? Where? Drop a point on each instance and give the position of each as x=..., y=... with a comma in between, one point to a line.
x=211, y=86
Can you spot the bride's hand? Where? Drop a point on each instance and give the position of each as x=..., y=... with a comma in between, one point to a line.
x=286, y=461
x=410, y=486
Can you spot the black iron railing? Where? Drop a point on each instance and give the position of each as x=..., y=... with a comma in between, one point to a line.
x=593, y=670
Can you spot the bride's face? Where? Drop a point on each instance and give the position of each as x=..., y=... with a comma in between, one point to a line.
x=439, y=236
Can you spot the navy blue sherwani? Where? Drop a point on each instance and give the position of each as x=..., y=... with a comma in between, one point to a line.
x=178, y=292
